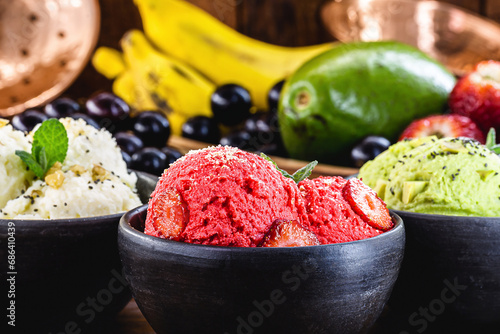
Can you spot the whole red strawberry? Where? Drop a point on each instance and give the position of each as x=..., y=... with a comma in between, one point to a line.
x=444, y=126
x=477, y=95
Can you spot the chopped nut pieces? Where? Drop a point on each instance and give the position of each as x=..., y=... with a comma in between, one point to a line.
x=55, y=180
x=77, y=169
x=99, y=173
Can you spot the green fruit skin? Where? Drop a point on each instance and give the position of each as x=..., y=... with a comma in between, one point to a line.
x=355, y=90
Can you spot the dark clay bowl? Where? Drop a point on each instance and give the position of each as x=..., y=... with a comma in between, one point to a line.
x=67, y=274
x=187, y=288
x=450, y=276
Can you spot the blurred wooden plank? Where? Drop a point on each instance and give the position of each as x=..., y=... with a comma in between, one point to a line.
x=472, y=5
x=223, y=10
x=131, y=321
x=492, y=9
x=283, y=22
x=290, y=165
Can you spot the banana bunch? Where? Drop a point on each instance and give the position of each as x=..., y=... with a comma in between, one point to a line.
x=185, y=55
x=222, y=54
x=147, y=79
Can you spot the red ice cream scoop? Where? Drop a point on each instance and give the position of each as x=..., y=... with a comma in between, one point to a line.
x=338, y=210
x=221, y=196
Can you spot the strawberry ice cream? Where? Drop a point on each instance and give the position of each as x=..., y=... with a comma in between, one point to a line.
x=230, y=198
x=328, y=213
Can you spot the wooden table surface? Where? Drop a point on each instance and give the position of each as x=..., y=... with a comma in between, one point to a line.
x=131, y=321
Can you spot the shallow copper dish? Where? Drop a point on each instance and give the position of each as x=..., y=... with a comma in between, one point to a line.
x=44, y=45
x=457, y=38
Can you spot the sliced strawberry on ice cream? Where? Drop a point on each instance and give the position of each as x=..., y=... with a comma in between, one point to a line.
x=289, y=233
x=365, y=202
x=444, y=126
x=168, y=215
x=477, y=95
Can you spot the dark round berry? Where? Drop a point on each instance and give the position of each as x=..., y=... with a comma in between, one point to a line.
x=171, y=153
x=240, y=139
x=231, y=104
x=152, y=127
x=273, y=96
x=150, y=160
x=127, y=158
x=263, y=127
x=201, y=128
x=271, y=149
x=27, y=120
x=107, y=109
x=62, y=107
x=86, y=118
x=368, y=149
x=128, y=142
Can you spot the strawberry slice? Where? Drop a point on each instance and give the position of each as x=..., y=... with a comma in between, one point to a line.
x=289, y=233
x=168, y=214
x=477, y=95
x=365, y=202
x=444, y=126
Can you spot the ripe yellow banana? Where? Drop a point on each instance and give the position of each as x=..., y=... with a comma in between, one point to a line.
x=186, y=32
x=109, y=62
x=173, y=87
x=135, y=95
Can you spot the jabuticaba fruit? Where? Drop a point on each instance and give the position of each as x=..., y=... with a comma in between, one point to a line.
x=358, y=89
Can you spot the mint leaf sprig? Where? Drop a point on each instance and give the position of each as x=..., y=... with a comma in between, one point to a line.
x=50, y=144
x=491, y=141
x=299, y=175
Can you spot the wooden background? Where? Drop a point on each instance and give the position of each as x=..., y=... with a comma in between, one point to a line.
x=282, y=22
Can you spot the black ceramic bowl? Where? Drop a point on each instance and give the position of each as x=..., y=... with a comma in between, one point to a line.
x=66, y=274
x=450, y=276
x=187, y=288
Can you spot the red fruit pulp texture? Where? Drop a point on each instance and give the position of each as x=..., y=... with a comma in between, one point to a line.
x=477, y=95
x=289, y=233
x=444, y=126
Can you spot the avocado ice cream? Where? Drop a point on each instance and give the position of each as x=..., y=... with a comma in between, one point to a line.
x=92, y=180
x=448, y=176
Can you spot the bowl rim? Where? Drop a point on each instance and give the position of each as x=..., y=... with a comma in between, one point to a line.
x=460, y=219
x=84, y=221
x=138, y=236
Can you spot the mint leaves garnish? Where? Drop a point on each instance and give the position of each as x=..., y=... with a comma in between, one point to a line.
x=299, y=175
x=50, y=144
x=491, y=141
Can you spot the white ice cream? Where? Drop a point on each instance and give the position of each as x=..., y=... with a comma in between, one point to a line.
x=92, y=181
x=14, y=178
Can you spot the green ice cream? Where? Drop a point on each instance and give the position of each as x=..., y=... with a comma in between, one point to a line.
x=448, y=176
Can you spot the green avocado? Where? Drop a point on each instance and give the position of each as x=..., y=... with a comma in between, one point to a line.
x=358, y=89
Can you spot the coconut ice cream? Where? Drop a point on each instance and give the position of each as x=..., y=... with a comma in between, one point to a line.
x=91, y=181
x=13, y=173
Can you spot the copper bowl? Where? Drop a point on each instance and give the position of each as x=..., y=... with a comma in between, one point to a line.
x=457, y=38
x=45, y=44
